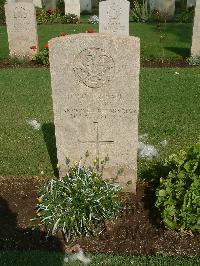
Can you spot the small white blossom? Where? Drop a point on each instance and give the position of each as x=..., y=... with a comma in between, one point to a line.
x=34, y=124
x=93, y=19
x=78, y=256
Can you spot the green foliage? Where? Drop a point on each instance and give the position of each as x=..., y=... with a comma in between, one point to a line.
x=186, y=16
x=42, y=57
x=49, y=17
x=194, y=60
x=2, y=12
x=53, y=17
x=140, y=11
x=70, y=19
x=178, y=196
x=79, y=203
x=61, y=6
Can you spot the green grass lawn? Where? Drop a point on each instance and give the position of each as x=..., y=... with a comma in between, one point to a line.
x=176, y=45
x=39, y=258
x=169, y=110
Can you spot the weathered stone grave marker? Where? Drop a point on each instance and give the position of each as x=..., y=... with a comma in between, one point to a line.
x=72, y=7
x=195, y=50
x=22, y=29
x=114, y=17
x=37, y=3
x=95, y=85
x=86, y=5
x=50, y=4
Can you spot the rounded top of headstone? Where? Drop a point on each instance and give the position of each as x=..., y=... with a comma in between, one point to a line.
x=82, y=36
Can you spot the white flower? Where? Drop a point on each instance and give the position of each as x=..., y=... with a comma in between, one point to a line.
x=176, y=73
x=78, y=256
x=147, y=151
x=164, y=143
x=34, y=124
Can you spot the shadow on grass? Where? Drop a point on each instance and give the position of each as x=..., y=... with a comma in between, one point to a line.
x=15, y=241
x=184, y=52
x=30, y=258
x=48, y=130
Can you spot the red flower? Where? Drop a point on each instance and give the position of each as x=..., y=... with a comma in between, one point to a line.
x=49, y=11
x=90, y=31
x=62, y=34
x=46, y=45
x=34, y=47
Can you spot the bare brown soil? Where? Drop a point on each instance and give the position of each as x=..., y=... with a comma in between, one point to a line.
x=150, y=63
x=138, y=231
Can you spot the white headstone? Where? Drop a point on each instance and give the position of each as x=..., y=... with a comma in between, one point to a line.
x=50, y=4
x=114, y=17
x=195, y=50
x=95, y=89
x=86, y=5
x=22, y=29
x=72, y=7
x=37, y=3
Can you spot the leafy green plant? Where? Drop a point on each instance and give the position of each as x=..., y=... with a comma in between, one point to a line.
x=186, y=16
x=42, y=17
x=53, y=17
x=42, y=57
x=79, y=203
x=70, y=19
x=140, y=11
x=194, y=60
x=61, y=6
x=178, y=196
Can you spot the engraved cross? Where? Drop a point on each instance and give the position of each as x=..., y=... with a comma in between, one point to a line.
x=97, y=141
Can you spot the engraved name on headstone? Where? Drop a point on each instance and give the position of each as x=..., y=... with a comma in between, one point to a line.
x=95, y=87
x=22, y=29
x=114, y=17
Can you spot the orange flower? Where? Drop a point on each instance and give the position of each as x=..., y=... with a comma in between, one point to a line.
x=46, y=45
x=34, y=47
x=90, y=31
x=62, y=34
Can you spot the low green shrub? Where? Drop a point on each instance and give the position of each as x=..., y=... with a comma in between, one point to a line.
x=42, y=57
x=53, y=17
x=71, y=19
x=178, y=196
x=79, y=203
x=140, y=11
x=61, y=6
x=194, y=60
x=186, y=16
